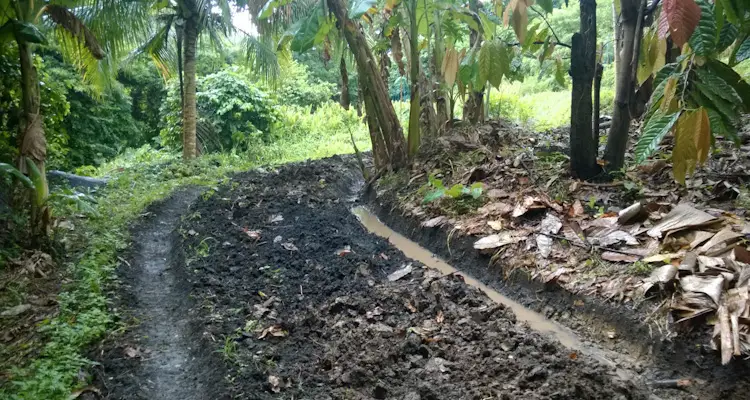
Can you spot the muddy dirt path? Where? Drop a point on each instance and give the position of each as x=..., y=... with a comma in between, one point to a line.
x=271, y=288
x=158, y=358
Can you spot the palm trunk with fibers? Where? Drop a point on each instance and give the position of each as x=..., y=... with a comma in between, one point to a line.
x=32, y=143
x=378, y=104
x=189, y=108
x=583, y=149
x=344, y=99
x=617, y=141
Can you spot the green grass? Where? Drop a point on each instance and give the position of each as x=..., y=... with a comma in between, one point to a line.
x=138, y=178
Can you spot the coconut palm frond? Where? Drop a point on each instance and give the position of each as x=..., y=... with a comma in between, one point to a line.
x=159, y=47
x=65, y=19
x=262, y=57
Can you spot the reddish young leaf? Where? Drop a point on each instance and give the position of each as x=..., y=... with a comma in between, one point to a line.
x=683, y=17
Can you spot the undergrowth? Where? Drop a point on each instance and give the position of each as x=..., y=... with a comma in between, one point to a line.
x=138, y=178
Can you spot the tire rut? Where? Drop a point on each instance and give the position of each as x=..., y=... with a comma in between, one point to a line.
x=162, y=357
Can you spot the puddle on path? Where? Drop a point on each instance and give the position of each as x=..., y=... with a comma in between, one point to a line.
x=535, y=320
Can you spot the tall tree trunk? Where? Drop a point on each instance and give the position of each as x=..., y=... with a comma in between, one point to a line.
x=474, y=105
x=189, y=108
x=582, y=69
x=440, y=90
x=414, y=105
x=378, y=104
x=629, y=35
x=597, y=103
x=344, y=99
x=31, y=140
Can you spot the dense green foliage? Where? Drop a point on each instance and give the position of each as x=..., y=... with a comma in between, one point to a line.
x=299, y=88
x=232, y=113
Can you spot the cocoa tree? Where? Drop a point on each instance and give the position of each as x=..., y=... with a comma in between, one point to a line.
x=698, y=97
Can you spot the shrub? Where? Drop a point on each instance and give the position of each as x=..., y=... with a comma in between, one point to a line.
x=298, y=88
x=232, y=113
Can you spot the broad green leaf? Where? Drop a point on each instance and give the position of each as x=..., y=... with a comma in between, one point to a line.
x=433, y=195
x=455, y=191
x=719, y=127
x=546, y=5
x=727, y=35
x=468, y=67
x=734, y=80
x=435, y=182
x=40, y=193
x=476, y=189
x=358, y=8
x=717, y=85
x=307, y=34
x=268, y=9
x=485, y=62
x=730, y=11
x=500, y=63
x=743, y=53
x=726, y=108
x=703, y=40
x=653, y=133
x=7, y=169
x=28, y=32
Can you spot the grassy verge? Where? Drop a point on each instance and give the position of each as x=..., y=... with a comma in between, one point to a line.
x=137, y=178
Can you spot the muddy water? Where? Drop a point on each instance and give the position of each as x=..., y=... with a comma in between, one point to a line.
x=535, y=320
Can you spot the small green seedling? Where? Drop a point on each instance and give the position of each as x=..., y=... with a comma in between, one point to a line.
x=438, y=190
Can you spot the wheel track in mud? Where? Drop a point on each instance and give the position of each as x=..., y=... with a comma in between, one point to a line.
x=160, y=358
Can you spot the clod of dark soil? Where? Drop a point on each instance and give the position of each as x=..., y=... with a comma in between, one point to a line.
x=296, y=295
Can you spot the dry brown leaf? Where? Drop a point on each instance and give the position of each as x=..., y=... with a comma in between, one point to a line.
x=275, y=383
x=720, y=240
x=437, y=221
x=400, y=273
x=496, y=241
x=712, y=286
x=273, y=330
x=496, y=225
x=289, y=246
x=576, y=210
x=619, y=257
x=131, y=352
x=681, y=217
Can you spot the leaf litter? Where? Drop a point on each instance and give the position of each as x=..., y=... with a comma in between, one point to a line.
x=648, y=246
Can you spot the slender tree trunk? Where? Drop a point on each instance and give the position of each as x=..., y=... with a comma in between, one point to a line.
x=344, y=99
x=441, y=91
x=628, y=36
x=582, y=69
x=378, y=104
x=597, y=103
x=473, y=108
x=189, y=110
x=414, y=105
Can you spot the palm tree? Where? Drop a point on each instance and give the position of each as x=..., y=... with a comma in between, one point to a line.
x=90, y=32
x=176, y=28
